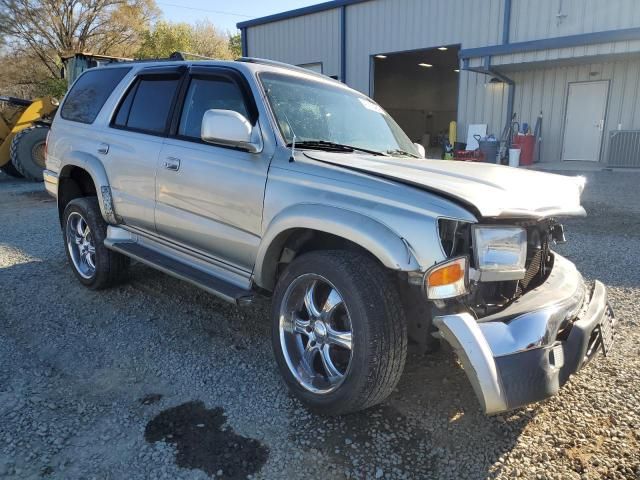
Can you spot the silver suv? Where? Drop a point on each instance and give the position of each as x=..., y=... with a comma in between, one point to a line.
x=252, y=178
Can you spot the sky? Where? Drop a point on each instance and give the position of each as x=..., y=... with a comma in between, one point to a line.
x=223, y=13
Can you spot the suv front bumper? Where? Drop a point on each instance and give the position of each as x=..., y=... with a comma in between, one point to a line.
x=526, y=352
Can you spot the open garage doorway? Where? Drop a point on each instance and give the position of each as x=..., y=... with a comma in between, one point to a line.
x=420, y=90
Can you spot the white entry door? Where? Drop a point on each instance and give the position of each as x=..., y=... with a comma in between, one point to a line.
x=584, y=123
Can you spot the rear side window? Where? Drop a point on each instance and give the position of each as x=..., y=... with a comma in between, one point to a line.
x=147, y=105
x=88, y=95
x=204, y=94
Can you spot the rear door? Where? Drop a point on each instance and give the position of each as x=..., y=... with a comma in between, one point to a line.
x=209, y=197
x=134, y=140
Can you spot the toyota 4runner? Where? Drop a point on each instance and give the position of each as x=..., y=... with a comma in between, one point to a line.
x=255, y=178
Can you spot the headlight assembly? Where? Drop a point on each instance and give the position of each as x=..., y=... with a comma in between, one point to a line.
x=500, y=252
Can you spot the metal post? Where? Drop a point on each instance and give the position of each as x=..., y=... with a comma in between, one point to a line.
x=343, y=44
x=506, y=25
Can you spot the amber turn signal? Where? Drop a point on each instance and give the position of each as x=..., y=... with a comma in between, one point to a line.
x=447, y=280
x=446, y=275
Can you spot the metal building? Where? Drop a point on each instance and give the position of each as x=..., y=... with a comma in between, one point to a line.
x=576, y=62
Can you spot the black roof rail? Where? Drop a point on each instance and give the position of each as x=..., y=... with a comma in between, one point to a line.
x=174, y=57
x=288, y=66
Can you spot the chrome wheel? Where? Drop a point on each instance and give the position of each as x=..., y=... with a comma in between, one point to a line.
x=316, y=333
x=80, y=244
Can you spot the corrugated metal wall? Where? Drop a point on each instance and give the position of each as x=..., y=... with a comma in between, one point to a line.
x=588, y=51
x=307, y=39
x=384, y=26
x=480, y=101
x=387, y=26
x=545, y=89
x=532, y=20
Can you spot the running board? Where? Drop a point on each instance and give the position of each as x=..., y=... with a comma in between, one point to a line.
x=218, y=287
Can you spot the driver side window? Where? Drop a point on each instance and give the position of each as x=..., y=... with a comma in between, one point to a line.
x=205, y=94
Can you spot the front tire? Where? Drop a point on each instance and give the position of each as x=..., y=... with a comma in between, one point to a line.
x=84, y=231
x=339, y=332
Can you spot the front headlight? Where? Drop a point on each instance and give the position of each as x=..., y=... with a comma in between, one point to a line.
x=500, y=252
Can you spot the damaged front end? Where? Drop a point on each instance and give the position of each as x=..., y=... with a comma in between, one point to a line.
x=525, y=320
x=515, y=268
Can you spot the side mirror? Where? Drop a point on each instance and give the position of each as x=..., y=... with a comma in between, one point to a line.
x=420, y=149
x=229, y=128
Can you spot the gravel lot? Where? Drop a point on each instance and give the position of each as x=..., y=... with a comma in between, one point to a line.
x=157, y=379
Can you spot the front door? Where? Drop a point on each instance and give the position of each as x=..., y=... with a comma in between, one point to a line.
x=209, y=197
x=584, y=123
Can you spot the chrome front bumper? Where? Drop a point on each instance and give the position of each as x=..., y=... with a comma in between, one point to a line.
x=526, y=352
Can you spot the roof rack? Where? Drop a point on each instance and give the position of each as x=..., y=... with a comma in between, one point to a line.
x=288, y=66
x=184, y=55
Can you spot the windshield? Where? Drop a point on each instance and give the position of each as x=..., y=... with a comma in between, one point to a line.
x=317, y=111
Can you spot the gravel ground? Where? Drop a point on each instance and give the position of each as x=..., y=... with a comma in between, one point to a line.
x=157, y=379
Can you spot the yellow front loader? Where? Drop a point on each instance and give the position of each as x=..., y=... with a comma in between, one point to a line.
x=24, y=125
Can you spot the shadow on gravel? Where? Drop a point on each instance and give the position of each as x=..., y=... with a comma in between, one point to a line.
x=430, y=427
x=202, y=442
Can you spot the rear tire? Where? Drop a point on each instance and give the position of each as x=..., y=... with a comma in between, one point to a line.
x=84, y=231
x=364, y=335
x=27, y=152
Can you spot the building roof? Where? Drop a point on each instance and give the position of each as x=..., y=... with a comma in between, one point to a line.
x=298, y=12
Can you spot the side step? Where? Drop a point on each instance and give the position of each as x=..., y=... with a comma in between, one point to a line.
x=225, y=290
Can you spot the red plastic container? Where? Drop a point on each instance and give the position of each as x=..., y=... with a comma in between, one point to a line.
x=467, y=155
x=527, y=144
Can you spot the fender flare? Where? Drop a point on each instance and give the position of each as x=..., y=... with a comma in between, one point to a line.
x=93, y=166
x=375, y=237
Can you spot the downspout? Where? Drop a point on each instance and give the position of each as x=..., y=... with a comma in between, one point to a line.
x=506, y=30
x=506, y=22
x=486, y=69
x=243, y=42
x=510, y=96
x=343, y=44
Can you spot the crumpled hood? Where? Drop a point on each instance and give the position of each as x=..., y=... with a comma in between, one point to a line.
x=494, y=190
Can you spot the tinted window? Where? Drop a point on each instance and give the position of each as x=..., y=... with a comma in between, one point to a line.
x=204, y=94
x=87, y=96
x=147, y=105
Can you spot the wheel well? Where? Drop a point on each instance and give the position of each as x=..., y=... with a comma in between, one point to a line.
x=74, y=183
x=295, y=242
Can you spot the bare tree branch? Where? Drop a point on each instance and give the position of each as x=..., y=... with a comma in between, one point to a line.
x=51, y=29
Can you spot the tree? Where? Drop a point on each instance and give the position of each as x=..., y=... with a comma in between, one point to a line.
x=24, y=75
x=52, y=28
x=201, y=39
x=235, y=45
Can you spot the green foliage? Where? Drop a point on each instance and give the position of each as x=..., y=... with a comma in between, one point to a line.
x=55, y=87
x=164, y=39
x=200, y=39
x=235, y=45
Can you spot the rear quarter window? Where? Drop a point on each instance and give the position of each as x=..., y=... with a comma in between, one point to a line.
x=90, y=92
x=147, y=105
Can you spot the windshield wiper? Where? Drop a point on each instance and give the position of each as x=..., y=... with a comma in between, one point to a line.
x=332, y=146
x=400, y=152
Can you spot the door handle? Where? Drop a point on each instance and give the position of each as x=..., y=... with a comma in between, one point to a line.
x=103, y=148
x=172, y=163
